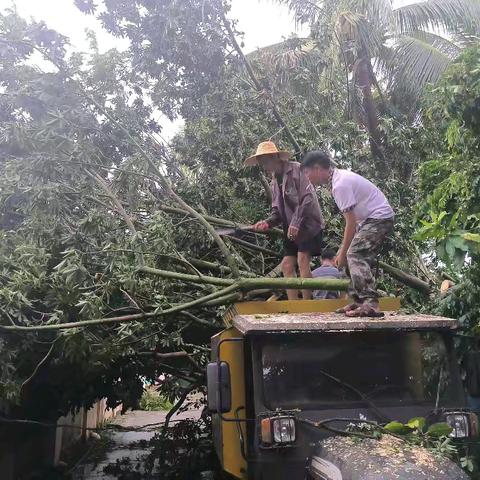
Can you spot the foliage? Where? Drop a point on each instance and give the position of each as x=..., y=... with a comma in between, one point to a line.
x=65, y=252
x=450, y=177
x=411, y=45
x=152, y=401
x=177, y=48
x=186, y=451
x=463, y=301
x=69, y=156
x=416, y=432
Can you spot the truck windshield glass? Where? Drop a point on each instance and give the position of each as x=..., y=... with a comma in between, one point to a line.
x=389, y=368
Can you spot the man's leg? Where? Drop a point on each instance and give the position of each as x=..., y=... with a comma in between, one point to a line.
x=361, y=256
x=289, y=269
x=362, y=282
x=304, y=259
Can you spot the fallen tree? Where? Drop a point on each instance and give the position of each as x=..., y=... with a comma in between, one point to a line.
x=399, y=275
x=95, y=270
x=231, y=286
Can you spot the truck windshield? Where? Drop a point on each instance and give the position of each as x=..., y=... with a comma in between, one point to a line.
x=390, y=368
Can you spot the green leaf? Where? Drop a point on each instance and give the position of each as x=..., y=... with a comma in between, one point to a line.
x=439, y=430
x=453, y=134
x=398, y=428
x=459, y=258
x=417, y=423
x=459, y=242
x=472, y=237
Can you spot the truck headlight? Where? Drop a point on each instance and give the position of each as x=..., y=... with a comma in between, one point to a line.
x=278, y=431
x=464, y=424
x=283, y=430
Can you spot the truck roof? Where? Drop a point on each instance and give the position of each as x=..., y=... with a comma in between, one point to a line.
x=331, y=322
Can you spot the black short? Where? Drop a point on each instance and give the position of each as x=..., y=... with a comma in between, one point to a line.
x=313, y=246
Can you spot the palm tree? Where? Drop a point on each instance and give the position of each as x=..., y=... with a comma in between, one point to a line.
x=394, y=49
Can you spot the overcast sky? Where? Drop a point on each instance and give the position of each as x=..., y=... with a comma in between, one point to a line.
x=264, y=22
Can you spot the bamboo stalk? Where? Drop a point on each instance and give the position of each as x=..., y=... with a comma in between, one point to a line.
x=217, y=267
x=330, y=284
x=221, y=222
x=215, y=220
x=124, y=318
x=185, y=277
x=239, y=285
x=260, y=283
x=252, y=246
x=406, y=278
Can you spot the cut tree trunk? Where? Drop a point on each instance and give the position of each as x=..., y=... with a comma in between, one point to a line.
x=369, y=116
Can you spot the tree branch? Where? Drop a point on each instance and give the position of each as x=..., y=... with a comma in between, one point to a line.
x=39, y=365
x=177, y=407
x=124, y=318
x=217, y=267
x=406, y=278
x=116, y=202
x=164, y=181
x=217, y=221
x=240, y=285
x=252, y=246
x=119, y=207
x=203, y=279
x=258, y=85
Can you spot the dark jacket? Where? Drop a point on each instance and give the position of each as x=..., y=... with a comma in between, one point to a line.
x=296, y=204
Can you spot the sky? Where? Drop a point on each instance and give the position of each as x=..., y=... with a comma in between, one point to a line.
x=264, y=22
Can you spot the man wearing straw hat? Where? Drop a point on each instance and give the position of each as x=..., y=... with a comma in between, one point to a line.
x=295, y=207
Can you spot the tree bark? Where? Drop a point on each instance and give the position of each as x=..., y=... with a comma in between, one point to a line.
x=406, y=278
x=369, y=117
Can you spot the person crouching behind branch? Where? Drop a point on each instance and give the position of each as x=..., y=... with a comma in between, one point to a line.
x=295, y=207
x=369, y=219
x=327, y=269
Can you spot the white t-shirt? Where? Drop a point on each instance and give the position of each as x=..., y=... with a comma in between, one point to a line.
x=353, y=192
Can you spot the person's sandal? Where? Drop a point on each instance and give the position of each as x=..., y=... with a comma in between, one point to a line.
x=364, y=310
x=348, y=308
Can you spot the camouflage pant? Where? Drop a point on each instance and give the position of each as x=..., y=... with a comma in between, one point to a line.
x=361, y=257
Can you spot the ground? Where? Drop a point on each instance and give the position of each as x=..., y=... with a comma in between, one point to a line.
x=123, y=444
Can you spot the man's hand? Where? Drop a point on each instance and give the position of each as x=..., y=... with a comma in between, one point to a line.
x=341, y=260
x=292, y=233
x=262, y=226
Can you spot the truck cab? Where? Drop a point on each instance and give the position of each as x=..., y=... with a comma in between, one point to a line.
x=287, y=378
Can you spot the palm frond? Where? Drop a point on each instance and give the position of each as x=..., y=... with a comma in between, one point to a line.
x=356, y=32
x=447, y=46
x=416, y=60
x=289, y=55
x=466, y=39
x=304, y=11
x=379, y=12
x=438, y=15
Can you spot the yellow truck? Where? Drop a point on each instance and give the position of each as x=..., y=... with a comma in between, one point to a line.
x=287, y=377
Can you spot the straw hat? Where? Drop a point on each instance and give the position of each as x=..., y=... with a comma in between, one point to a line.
x=267, y=148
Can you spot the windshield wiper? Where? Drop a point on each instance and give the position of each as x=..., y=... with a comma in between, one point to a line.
x=363, y=396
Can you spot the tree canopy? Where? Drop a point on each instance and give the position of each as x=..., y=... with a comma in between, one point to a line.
x=96, y=209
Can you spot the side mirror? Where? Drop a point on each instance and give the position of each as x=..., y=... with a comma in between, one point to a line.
x=219, y=392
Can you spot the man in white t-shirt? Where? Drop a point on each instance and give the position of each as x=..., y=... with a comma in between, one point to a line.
x=368, y=220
